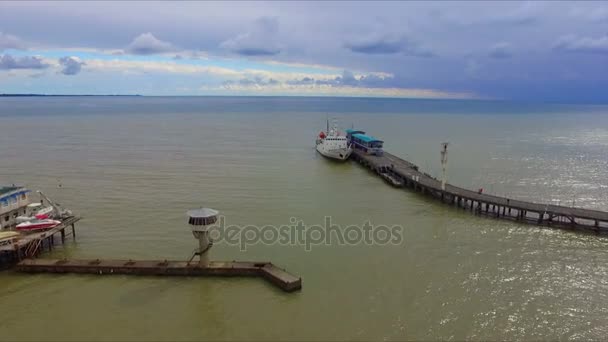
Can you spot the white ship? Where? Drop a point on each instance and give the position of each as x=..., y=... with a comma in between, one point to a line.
x=333, y=145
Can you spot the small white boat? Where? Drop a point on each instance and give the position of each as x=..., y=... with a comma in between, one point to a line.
x=37, y=225
x=332, y=144
x=44, y=213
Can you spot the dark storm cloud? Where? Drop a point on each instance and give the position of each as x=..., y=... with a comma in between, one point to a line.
x=71, y=65
x=387, y=45
x=256, y=51
x=375, y=47
x=8, y=62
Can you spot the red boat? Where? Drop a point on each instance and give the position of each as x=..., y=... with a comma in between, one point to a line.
x=35, y=225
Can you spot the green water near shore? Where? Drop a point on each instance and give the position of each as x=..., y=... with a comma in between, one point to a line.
x=133, y=166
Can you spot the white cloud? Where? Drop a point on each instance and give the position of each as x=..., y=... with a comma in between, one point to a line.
x=265, y=82
x=180, y=68
x=8, y=41
x=147, y=44
x=314, y=89
x=573, y=43
x=158, y=66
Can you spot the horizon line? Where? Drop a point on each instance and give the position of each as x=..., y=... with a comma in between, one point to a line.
x=307, y=96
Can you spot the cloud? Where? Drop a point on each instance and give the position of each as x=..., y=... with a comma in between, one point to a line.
x=38, y=75
x=472, y=68
x=261, y=40
x=255, y=82
x=346, y=79
x=456, y=15
x=346, y=85
x=157, y=66
x=380, y=46
x=528, y=13
x=172, y=67
x=71, y=65
x=302, y=81
x=594, y=14
x=8, y=41
x=147, y=44
x=335, y=36
x=501, y=50
x=8, y=62
x=572, y=43
x=190, y=55
x=387, y=44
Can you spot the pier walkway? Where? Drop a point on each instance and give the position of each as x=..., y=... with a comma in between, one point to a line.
x=23, y=253
x=275, y=275
x=402, y=173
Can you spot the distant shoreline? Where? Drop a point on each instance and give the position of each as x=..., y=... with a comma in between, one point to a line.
x=58, y=95
x=492, y=100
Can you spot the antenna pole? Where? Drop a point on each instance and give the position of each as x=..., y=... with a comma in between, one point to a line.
x=444, y=164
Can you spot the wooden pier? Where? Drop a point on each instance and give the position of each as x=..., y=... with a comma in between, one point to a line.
x=22, y=256
x=266, y=270
x=401, y=173
x=31, y=245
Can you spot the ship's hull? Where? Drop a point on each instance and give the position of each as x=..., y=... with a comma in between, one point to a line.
x=340, y=154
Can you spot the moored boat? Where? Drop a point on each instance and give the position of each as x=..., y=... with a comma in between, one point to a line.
x=332, y=144
x=38, y=214
x=37, y=225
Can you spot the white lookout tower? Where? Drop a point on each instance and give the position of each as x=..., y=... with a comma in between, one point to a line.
x=200, y=221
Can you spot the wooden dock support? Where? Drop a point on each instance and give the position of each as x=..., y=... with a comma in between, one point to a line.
x=31, y=245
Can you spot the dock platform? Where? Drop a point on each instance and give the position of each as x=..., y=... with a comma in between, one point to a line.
x=266, y=270
x=30, y=245
x=400, y=172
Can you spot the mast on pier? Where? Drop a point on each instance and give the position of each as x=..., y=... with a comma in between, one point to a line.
x=444, y=164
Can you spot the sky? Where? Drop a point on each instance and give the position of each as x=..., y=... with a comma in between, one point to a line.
x=507, y=50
